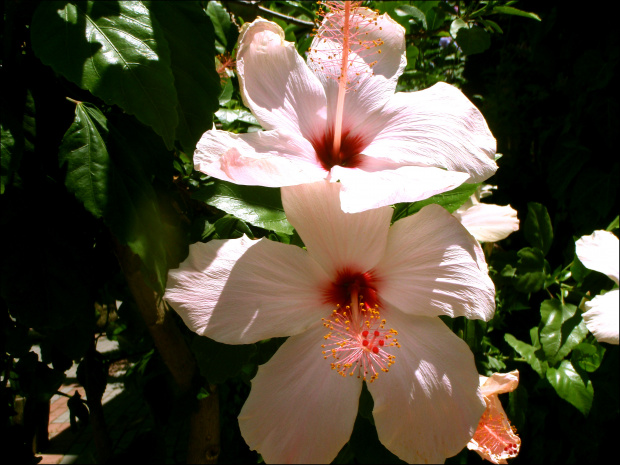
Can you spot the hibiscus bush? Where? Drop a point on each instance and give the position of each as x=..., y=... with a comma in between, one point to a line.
x=127, y=131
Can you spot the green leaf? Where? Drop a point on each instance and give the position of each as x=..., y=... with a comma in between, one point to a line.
x=435, y=18
x=537, y=227
x=229, y=227
x=575, y=388
x=260, y=206
x=417, y=15
x=9, y=157
x=225, y=31
x=228, y=116
x=530, y=275
x=509, y=10
x=562, y=329
x=531, y=354
x=115, y=50
x=473, y=40
x=588, y=356
x=106, y=173
x=451, y=201
x=615, y=224
x=189, y=33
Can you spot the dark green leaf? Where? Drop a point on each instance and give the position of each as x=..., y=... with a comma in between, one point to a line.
x=417, y=15
x=228, y=116
x=9, y=157
x=451, y=201
x=260, y=206
x=473, y=40
x=509, y=10
x=225, y=30
x=117, y=51
x=106, y=173
x=531, y=354
x=229, y=227
x=435, y=18
x=575, y=388
x=562, y=329
x=530, y=275
x=190, y=36
x=588, y=356
x=537, y=227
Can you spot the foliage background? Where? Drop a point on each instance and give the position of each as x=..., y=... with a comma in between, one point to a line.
x=99, y=199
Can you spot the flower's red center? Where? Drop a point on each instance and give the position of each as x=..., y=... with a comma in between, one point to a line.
x=349, y=154
x=357, y=339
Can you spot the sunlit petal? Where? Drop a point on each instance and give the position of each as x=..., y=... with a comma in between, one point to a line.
x=428, y=405
x=241, y=291
x=299, y=409
x=433, y=266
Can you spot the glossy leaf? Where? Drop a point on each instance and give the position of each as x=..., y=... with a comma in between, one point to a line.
x=588, y=356
x=105, y=172
x=260, y=206
x=572, y=386
x=451, y=201
x=531, y=354
x=117, y=51
x=190, y=37
x=562, y=329
x=537, y=227
x=509, y=10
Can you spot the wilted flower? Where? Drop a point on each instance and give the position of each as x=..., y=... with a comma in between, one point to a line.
x=599, y=252
x=361, y=303
x=337, y=117
x=495, y=439
x=487, y=222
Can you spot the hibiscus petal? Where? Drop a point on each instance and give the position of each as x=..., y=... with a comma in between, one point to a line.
x=602, y=317
x=264, y=158
x=276, y=84
x=427, y=407
x=499, y=383
x=241, y=291
x=487, y=222
x=438, y=127
x=372, y=76
x=599, y=252
x=433, y=266
x=299, y=410
x=363, y=189
x=335, y=239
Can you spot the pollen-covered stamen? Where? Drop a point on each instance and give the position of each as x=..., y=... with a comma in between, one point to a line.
x=346, y=40
x=357, y=338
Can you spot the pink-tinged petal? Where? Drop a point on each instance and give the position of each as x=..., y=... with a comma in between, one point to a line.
x=299, y=410
x=374, y=65
x=363, y=189
x=599, y=252
x=428, y=405
x=438, y=127
x=336, y=240
x=264, y=158
x=499, y=383
x=487, y=222
x=601, y=317
x=433, y=266
x=494, y=439
x=276, y=84
x=241, y=291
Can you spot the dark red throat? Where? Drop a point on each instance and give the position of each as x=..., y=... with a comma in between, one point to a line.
x=339, y=292
x=349, y=155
